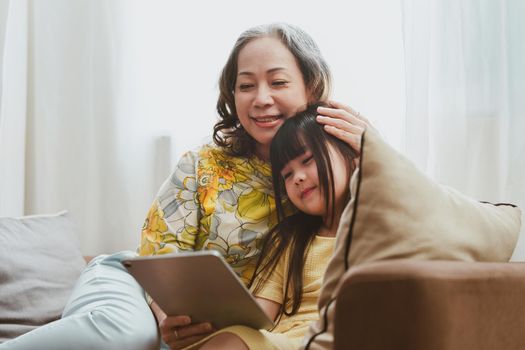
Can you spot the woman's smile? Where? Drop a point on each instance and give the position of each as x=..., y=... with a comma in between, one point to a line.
x=268, y=121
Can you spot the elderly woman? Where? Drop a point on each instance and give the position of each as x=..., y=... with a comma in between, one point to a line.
x=218, y=197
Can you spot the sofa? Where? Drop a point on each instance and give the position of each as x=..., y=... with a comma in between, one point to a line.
x=431, y=305
x=396, y=304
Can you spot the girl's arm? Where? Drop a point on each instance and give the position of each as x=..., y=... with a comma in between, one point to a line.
x=270, y=307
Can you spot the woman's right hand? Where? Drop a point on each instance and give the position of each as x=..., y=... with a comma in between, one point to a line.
x=178, y=331
x=344, y=122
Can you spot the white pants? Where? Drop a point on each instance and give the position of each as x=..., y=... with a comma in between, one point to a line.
x=107, y=310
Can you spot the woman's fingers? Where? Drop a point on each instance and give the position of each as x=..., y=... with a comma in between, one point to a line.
x=342, y=114
x=341, y=124
x=339, y=105
x=354, y=140
x=193, y=329
x=178, y=331
x=352, y=111
x=170, y=322
x=180, y=334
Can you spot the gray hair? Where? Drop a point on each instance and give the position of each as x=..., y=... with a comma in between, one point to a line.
x=227, y=132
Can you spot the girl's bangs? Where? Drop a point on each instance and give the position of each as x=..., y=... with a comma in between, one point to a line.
x=287, y=147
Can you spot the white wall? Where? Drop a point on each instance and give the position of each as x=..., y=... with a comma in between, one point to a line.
x=177, y=50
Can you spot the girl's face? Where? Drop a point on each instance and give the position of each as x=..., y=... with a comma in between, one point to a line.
x=269, y=88
x=301, y=181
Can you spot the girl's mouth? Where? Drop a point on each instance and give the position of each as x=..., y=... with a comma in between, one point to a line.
x=307, y=192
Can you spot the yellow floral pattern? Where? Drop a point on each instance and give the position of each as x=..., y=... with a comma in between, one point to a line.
x=213, y=201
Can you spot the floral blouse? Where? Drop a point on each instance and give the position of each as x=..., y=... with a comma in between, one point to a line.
x=213, y=201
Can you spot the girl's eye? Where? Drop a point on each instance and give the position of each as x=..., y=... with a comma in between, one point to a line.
x=286, y=175
x=308, y=159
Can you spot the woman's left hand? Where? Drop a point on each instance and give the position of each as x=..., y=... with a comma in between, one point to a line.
x=343, y=122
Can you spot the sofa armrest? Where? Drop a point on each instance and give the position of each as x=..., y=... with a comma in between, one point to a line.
x=431, y=305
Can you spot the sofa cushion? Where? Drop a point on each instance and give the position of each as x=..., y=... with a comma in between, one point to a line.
x=397, y=212
x=39, y=264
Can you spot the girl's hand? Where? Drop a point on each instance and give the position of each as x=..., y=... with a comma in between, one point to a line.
x=178, y=331
x=343, y=122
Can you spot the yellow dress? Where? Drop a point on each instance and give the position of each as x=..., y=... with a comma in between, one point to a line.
x=289, y=332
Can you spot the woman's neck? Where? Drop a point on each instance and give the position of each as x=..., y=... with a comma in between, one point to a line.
x=262, y=152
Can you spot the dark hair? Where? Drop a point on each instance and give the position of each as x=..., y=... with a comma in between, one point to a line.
x=228, y=132
x=296, y=232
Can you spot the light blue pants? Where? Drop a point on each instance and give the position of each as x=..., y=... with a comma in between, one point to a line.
x=107, y=310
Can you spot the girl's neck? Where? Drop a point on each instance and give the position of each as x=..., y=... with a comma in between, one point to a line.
x=329, y=229
x=327, y=232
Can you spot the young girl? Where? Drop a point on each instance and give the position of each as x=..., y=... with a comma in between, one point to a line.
x=311, y=169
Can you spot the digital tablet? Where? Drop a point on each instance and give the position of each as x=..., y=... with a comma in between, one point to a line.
x=198, y=284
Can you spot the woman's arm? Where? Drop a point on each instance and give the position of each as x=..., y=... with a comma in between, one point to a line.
x=174, y=216
x=176, y=199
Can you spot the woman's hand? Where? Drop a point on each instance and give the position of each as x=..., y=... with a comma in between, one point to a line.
x=178, y=331
x=343, y=122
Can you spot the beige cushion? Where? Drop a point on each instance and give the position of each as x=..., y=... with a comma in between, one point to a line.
x=40, y=262
x=397, y=212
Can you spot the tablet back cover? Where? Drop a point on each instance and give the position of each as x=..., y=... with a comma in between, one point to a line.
x=200, y=285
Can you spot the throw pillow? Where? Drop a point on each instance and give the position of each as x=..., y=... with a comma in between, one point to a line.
x=40, y=262
x=397, y=212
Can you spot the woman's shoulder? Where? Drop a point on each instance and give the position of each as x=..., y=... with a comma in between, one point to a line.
x=213, y=156
x=201, y=154
x=209, y=161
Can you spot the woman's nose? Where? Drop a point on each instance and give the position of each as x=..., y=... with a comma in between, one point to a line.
x=263, y=97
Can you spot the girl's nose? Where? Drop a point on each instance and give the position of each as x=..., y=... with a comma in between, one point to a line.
x=299, y=177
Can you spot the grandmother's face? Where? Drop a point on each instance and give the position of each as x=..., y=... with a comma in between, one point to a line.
x=269, y=88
